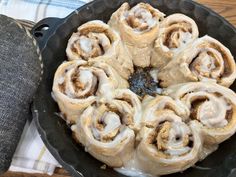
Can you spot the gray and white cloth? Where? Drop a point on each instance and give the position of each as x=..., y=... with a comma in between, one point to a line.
x=20, y=72
x=31, y=154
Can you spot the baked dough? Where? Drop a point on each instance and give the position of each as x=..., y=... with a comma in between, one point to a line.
x=138, y=27
x=104, y=131
x=96, y=41
x=77, y=85
x=212, y=106
x=205, y=60
x=176, y=32
x=167, y=144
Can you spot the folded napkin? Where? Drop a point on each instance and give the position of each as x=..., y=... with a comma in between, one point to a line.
x=31, y=155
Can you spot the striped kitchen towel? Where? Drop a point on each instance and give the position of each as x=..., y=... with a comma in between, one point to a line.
x=31, y=155
x=35, y=10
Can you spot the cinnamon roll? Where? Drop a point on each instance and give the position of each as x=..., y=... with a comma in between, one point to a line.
x=76, y=86
x=176, y=32
x=168, y=144
x=104, y=130
x=96, y=41
x=138, y=27
x=205, y=60
x=212, y=106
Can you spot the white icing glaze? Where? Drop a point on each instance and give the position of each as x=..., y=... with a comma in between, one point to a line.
x=177, y=152
x=184, y=38
x=212, y=113
x=207, y=63
x=159, y=91
x=154, y=75
x=60, y=80
x=112, y=124
x=85, y=44
x=85, y=76
x=175, y=146
x=53, y=96
x=208, y=80
x=142, y=16
x=133, y=172
x=107, y=90
x=131, y=168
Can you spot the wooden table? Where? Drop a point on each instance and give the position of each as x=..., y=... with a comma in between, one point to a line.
x=226, y=8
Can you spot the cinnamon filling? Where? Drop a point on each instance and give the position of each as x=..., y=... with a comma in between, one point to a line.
x=211, y=113
x=140, y=19
x=126, y=119
x=102, y=132
x=227, y=68
x=80, y=86
x=204, y=64
x=62, y=87
x=194, y=107
x=173, y=37
x=160, y=138
x=91, y=45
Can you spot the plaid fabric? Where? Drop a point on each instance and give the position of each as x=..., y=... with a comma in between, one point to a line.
x=71, y=4
x=31, y=155
x=36, y=10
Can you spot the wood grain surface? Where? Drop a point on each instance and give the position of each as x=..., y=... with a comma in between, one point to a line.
x=226, y=8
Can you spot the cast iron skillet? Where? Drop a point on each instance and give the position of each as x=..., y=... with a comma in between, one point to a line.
x=52, y=35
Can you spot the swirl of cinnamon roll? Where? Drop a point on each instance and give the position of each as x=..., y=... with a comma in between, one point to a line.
x=212, y=106
x=105, y=130
x=96, y=41
x=205, y=60
x=176, y=32
x=151, y=106
x=129, y=103
x=168, y=144
x=138, y=27
x=77, y=85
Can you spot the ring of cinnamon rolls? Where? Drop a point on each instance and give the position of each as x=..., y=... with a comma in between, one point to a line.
x=159, y=134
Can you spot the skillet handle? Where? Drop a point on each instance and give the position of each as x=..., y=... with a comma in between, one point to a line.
x=43, y=29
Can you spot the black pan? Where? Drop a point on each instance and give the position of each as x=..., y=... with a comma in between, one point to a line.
x=52, y=35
